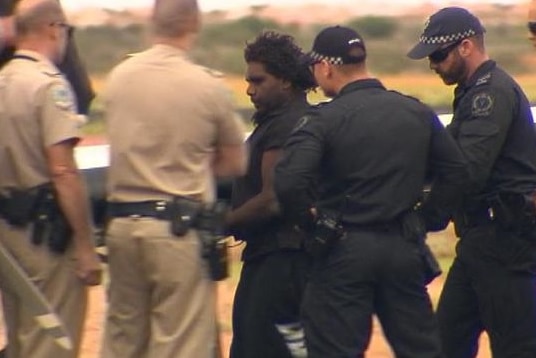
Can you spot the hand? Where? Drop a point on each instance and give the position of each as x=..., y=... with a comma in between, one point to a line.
x=88, y=266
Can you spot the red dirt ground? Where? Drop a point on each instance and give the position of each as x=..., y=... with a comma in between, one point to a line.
x=94, y=325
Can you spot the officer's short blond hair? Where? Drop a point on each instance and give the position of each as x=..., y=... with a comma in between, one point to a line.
x=175, y=18
x=32, y=15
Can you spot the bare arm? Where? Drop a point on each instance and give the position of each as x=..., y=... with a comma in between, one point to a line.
x=264, y=204
x=73, y=202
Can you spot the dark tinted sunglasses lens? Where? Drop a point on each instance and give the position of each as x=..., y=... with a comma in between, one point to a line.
x=532, y=27
x=439, y=55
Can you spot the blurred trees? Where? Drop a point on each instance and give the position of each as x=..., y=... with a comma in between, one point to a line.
x=220, y=44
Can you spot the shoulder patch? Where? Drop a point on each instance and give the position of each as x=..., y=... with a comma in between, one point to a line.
x=62, y=96
x=482, y=104
x=483, y=80
x=301, y=123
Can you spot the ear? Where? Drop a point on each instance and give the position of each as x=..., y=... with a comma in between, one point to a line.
x=51, y=31
x=286, y=85
x=325, y=68
x=466, y=48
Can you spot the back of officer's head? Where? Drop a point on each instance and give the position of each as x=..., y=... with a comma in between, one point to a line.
x=175, y=18
x=339, y=46
x=35, y=16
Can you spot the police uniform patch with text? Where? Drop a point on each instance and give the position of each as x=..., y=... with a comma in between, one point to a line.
x=482, y=104
x=62, y=96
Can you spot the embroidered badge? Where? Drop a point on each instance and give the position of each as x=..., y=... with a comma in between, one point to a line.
x=482, y=105
x=484, y=79
x=62, y=96
x=301, y=123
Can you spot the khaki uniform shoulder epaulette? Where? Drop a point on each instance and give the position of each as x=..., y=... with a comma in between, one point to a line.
x=213, y=73
x=132, y=54
x=47, y=71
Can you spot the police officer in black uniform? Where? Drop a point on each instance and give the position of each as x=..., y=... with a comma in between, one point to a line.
x=368, y=153
x=491, y=285
x=266, y=307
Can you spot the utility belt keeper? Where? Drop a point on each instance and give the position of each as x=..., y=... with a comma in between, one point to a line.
x=38, y=206
x=509, y=211
x=185, y=214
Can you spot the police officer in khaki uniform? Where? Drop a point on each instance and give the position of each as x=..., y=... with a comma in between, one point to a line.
x=70, y=65
x=532, y=22
x=39, y=128
x=172, y=128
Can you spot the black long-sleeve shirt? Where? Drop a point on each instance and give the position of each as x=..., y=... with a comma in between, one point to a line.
x=370, y=151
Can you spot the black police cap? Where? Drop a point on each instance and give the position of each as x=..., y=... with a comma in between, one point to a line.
x=337, y=45
x=446, y=26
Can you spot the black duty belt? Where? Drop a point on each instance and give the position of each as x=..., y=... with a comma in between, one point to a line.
x=158, y=209
x=387, y=226
x=480, y=217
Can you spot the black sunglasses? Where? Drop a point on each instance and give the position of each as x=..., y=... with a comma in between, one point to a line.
x=64, y=25
x=532, y=27
x=441, y=54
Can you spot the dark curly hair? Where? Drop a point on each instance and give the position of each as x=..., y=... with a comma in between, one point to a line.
x=282, y=58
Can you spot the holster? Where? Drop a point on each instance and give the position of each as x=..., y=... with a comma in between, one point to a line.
x=414, y=230
x=514, y=212
x=210, y=226
x=18, y=207
x=183, y=214
x=38, y=206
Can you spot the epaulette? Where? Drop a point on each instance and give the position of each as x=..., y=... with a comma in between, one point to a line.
x=129, y=55
x=484, y=79
x=406, y=95
x=48, y=73
x=214, y=73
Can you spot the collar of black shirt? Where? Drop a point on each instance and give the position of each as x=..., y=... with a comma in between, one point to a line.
x=262, y=117
x=361, y=84
x=480, y=72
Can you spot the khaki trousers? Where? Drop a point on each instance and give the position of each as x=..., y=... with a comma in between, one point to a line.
x=161, y=300
x=55, y=276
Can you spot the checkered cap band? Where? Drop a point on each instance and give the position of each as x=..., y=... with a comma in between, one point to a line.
x=319, y=57
x=445, y=39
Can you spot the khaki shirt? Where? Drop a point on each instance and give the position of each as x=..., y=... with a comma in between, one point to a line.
x=165, y=118
x=37, y=110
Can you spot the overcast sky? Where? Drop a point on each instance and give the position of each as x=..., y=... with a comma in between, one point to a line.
x=208, y=5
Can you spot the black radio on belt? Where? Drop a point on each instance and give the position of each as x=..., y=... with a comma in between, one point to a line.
x=327, y=230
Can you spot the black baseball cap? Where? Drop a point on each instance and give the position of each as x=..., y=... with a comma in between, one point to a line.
x=447, y=26
x=337, y=45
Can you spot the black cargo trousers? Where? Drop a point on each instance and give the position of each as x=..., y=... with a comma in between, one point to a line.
x=266, y=310
x=491, y=286
x=369, y=272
